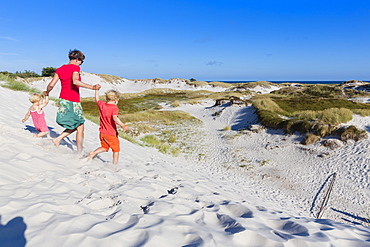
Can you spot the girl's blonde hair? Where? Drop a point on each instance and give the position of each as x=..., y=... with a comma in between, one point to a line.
x=35, y=98
x=112, y=95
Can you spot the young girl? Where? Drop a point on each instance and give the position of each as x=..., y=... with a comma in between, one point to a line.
x=37, y=114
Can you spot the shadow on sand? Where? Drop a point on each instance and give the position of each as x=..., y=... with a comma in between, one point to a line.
x=66, y=142
x=12, y=234
x=358, y=219
x=246, y=117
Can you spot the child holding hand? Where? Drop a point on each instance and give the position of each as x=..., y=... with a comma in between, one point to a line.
x=37, y=114
x=108, y=125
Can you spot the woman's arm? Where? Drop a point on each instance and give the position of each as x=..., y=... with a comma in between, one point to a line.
x=51, y=84
x=76, y=81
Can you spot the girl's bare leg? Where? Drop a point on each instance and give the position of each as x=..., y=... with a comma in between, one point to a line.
x=95, y=152
x=80, y=137
x=115, y=158
x=64, y=134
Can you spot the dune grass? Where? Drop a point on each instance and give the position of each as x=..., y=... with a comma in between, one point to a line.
x=143, y=113
x=316, y=109
x=110, y=78
x=15, y=85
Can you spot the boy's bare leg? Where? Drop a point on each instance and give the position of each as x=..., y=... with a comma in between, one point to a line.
x=95, y=152
x=80, y=137
x=41, y=134
x=64, y=134
x=115, y=158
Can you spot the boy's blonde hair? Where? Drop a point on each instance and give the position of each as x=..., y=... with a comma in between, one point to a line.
x=112, y=95
x=35, y=98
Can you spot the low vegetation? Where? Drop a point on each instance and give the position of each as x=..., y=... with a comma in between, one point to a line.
x=143, y=113
x=13, y=84
x=316, y=110
x=110, y=78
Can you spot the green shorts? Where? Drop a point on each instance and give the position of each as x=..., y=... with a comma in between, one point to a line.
x=69, y=114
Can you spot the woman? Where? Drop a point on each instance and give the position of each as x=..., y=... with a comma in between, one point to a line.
x=70, y=111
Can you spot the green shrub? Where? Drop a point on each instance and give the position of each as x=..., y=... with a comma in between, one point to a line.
x=26, y=74
x=48, y=71
x=6, y=74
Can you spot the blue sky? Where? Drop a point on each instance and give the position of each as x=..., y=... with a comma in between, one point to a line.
x=205, y=39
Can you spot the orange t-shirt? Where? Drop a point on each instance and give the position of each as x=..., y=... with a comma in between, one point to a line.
x=107, y=124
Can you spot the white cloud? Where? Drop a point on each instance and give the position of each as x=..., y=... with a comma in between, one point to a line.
x=9, y=38
x=212, y=63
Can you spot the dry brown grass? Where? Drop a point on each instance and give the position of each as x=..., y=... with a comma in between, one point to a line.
x=110, y=78
x=266, y=103
x=310, y=139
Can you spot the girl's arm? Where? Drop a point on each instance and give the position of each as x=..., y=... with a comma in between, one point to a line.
x=45, y=102
x=51, y=84
x=77, y=82
x=28, y=114
x=118, y=121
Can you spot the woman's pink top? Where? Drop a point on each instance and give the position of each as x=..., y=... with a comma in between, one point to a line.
x=69, y=91
x=39, y=121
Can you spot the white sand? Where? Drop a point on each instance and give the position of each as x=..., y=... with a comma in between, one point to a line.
x=50, y=197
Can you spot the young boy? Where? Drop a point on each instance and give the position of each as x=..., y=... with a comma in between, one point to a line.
x=108, y=130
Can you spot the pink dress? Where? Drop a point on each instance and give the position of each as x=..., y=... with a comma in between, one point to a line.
x=38, y=119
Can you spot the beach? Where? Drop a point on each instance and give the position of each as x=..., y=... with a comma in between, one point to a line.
x=248, y=188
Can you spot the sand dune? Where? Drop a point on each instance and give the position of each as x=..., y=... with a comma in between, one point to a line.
x=50, y=197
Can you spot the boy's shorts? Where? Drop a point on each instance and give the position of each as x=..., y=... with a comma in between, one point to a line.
x=108, y=141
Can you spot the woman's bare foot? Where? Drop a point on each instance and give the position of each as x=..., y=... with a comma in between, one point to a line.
x=56, y=142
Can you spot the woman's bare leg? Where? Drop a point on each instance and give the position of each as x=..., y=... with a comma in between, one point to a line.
x=64, y=134
x=80, y=137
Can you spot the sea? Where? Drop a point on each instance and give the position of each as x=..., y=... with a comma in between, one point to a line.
x=301, y=82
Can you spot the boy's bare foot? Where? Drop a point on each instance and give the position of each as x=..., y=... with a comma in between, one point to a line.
x=90, y=156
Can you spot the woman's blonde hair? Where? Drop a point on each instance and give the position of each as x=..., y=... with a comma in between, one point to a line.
x=35, y=97
x=112, y=95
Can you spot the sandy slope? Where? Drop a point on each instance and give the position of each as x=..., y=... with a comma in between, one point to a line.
x=292, y=174
x=49, y=197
